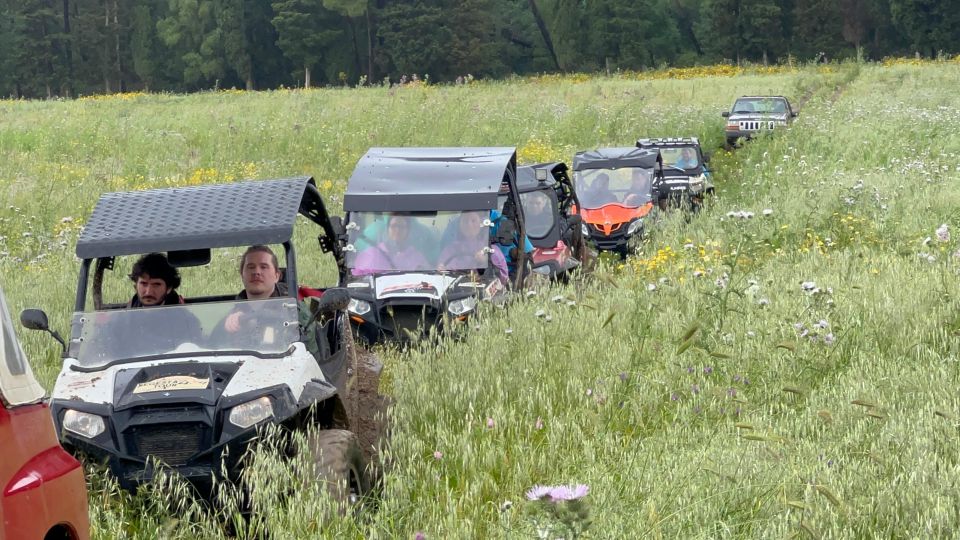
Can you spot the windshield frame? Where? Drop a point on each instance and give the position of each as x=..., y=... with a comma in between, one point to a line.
x=285, y=327
x=584, y=192
x=432, y=243
x=696, y=151
x=762, y=100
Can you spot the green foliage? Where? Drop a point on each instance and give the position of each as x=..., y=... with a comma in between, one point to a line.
x=931, y=25
x=817, y=27
x=305, y=31
x=691, y=410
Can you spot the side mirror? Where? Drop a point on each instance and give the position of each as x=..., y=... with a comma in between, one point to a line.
x=706, y=158
x=793, y=114
x=35, y=319
x=336, y=223
x=333, y=299
x=725, y=114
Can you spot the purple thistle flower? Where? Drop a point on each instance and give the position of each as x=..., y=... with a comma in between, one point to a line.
x=829, y=339
x=624, y=377
x=538, y=424
x=731, y=392
x=708, y=369
x=822, y=323
x=568, y=493
x=490, y=423
x=689, y=369
x=537, y=492
x=419, y=536
x=674, y=396
x=737, y=378
x=438, y=455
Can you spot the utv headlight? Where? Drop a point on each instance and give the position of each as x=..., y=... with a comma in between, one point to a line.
x=543, y=270
x=251, y=412
x=83, y=424
x=584, y=229
x=358, y=307
x=463, y=305
x=635, y=227
x=696, y=184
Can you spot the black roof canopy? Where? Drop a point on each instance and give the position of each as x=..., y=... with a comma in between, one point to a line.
x=428, y=179
x=615, y=158
x=527, y=175
x=198, y=217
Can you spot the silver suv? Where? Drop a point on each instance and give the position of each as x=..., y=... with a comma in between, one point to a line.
x=755, y=114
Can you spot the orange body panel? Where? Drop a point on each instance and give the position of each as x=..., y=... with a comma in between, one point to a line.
x=610, y=217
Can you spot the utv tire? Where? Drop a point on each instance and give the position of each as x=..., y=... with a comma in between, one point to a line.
x=338, y=464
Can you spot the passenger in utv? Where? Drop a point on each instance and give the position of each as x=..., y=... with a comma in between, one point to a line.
x=260, y=273
x=640, y=190
x=600, y=193
x=395, y=253
x=688, y=159
x=156, y=282
x=463, y=254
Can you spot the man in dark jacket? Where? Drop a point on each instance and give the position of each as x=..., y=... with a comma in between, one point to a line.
x=156, y=282
x=260, y=273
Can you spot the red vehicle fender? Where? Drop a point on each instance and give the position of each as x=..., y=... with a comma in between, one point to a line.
x=44, y=489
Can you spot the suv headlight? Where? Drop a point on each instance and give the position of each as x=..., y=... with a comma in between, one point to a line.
x=83, y=424
x=251, y=412
x=635, y=227
x=584, y=229
x=463, y=305
x=358, y=307
x=696, y=184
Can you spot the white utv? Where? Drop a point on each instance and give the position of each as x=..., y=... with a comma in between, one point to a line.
x=168, y=383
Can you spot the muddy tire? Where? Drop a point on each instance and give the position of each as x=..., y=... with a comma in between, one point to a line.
x=339, y=467
x=366, y=406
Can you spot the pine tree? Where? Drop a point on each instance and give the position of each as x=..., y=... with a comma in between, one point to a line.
x=721, y=29
x=817, y=27
x=415, y=39
x=762, y=29
x=190, y=30
x=305, y=29
x=931, y=25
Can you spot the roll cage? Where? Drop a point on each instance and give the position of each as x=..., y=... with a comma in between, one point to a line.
x=186, y=223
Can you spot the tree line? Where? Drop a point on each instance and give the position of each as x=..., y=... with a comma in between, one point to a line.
x=66, y=48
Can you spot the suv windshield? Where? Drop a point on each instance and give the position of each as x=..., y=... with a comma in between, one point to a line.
x=681, y=157
x=628, y=186
x=118, y=335
x=760, y=105
x=382, y=242
x=538, y=213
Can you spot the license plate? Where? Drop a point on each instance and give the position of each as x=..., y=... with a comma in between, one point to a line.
x=175, y=382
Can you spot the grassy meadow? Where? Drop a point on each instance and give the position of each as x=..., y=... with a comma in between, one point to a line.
x=784, y=364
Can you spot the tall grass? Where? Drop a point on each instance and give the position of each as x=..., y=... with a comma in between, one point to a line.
x=793, y=373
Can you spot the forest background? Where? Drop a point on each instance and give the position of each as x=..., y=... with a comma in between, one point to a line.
x=66, y=48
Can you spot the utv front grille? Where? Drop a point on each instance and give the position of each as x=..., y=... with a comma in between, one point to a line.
x=173, y=444
x=416, y=320
x=756, y=125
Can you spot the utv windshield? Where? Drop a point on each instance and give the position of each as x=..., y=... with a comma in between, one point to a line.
x=386, y=242
x=627, y=186
x=760, y=106
x=538, y=213
x=259, y=327
x=684, y=157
